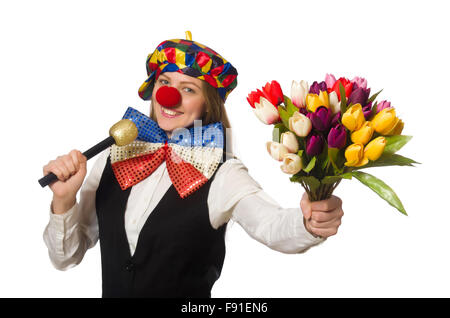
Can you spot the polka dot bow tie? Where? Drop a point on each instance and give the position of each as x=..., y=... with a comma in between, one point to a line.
x=192, y=155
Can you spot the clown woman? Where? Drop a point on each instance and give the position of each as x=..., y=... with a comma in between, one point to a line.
x=160, y=206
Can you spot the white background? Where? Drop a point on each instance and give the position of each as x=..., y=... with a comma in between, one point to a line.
x=68, y=70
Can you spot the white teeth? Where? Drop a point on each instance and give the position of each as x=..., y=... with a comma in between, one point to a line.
x=169, y=112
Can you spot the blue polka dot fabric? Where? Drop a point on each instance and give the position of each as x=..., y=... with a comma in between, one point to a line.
x=196, y=135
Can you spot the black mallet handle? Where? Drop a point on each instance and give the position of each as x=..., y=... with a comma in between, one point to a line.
x=102, y=145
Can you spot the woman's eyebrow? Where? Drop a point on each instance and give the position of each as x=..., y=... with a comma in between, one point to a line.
x=186, y=82
x=183, y=82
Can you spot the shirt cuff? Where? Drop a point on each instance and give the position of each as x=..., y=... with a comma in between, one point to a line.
x=60, y=225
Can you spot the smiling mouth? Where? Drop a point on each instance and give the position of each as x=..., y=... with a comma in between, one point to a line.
x=170, y=113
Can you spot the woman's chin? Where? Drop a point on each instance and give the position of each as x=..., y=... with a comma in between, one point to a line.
x=168, y=124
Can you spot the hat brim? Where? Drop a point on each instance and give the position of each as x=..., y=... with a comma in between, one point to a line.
x=146, y=89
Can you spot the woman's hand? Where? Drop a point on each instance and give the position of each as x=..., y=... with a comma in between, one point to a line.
x=71, y=171
x=322, y=218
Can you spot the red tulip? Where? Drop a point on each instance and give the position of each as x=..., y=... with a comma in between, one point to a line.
x=272, y=91
x=347, y=86
x=254, y=97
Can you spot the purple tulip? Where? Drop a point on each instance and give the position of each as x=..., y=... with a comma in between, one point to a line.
x=359, y=96
x=367, y=110
x=337, y=137
x=336, y=119
x=314, y=144
x=382, y=105
x=315, y=88
x=321, y=118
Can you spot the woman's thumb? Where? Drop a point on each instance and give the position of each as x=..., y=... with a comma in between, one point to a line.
x=305, y=206
x=83, y=161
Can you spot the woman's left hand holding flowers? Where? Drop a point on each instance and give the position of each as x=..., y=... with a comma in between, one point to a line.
x=322, y=218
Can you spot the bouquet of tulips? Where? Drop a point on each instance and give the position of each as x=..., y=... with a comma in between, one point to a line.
x=329, y=131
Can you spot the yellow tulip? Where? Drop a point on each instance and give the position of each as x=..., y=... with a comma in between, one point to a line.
x=355, y=155
x=397, y=129
x=353, y=118
x=363, y=134
x=375, y=148
x=384, y=121
x=314, y=101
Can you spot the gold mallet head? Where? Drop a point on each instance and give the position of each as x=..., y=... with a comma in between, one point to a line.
x=124, y=132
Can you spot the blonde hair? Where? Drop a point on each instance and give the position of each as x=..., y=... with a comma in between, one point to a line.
x=213, y=112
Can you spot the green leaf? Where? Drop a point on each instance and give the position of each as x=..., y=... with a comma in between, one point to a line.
x=372, y=98
x=300, y=153
x=324, y=163
x=323, y=157
x=278, y=129
x=389, y=160
x=374, y=111
x=312, y=182
x=395, y=143
x=284, y=115
x=310, y=165
x=290, y=107
x=332, y=154
x=380, y=188
x=333, y=179
x=343, y=99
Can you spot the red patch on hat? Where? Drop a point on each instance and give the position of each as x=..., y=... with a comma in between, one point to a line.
x=228, y=80
x=170, y=54
x=185, y=42
x=202, y=59
x=153, y=66
x=210, y=80
x=158, y=72
x=216, y=71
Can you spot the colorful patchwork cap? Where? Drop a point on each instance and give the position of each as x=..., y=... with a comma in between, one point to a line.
x=190, y=58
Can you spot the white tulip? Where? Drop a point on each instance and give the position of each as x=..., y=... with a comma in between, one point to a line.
x=334, y=104
x=292, y=163
x=299, y=92
x=290, y=141
x=266, y=112
x=300, y=124
x=276, y=150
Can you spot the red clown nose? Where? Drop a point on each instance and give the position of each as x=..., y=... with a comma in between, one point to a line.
x=168, y=96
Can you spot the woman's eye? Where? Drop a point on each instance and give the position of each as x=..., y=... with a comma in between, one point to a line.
x=189, y=90
x=164, y=82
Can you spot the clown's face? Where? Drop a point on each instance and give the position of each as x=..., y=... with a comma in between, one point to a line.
x=190, y=107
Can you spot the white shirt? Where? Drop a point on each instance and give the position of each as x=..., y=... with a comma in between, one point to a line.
x=233, y=194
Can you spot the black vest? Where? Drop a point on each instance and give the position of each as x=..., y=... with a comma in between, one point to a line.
x=178, y=253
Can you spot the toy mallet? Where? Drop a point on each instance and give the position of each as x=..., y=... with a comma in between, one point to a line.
x=121, y=133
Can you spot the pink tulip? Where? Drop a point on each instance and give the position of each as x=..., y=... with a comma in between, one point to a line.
x=330, y=80
x=360, y=82
x=382, y=105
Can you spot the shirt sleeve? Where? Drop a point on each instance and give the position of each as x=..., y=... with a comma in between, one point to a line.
x=235, y=195
x=68, y=236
